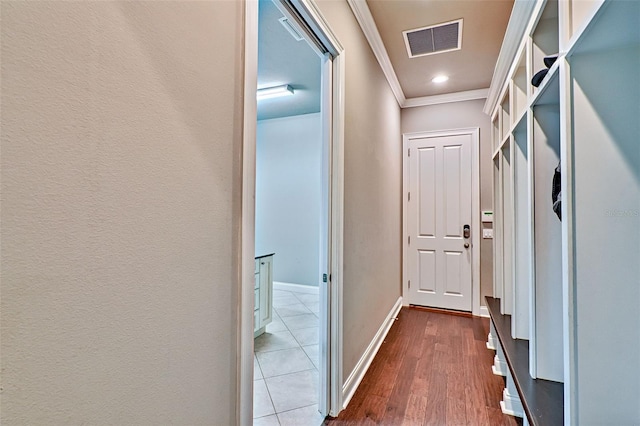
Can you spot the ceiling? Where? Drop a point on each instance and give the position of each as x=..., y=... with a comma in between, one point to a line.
x=283, y=60
x=470, y=68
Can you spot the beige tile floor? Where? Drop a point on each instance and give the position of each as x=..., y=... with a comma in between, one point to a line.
x=286, y=363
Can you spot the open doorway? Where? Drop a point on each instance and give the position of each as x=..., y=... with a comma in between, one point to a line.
x=292, y=161
x=291, y=223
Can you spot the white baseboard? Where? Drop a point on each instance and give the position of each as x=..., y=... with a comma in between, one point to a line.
x=492, y=342
x=499, y=367
x=356, y=376
x=298, y=288
x=511, y=404
x=484, y=312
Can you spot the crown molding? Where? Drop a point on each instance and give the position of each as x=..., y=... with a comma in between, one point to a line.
x=446, y=98
x=519, y=22
x=367, y=24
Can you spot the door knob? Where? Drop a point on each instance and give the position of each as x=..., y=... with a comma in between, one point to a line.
x=466, y=245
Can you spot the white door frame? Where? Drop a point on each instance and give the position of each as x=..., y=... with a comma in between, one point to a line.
x=333, y=127
x=475, y=209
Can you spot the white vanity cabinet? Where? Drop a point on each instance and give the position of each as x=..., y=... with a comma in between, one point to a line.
x=263, y=301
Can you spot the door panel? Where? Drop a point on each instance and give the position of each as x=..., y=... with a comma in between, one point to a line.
x=439, y=205
x=427, y=195
x=452, y=190
x=427, y=270
x=453, y=278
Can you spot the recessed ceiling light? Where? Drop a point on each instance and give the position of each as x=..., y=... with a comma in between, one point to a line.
x=440, y=79
x=275, y=92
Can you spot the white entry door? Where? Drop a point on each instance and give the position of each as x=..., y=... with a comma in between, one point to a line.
x=438, y=220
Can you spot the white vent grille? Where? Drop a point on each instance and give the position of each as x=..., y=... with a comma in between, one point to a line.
x=434, y=39
x=292, y=30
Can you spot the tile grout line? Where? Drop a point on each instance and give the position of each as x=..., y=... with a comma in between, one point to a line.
x=299, y=346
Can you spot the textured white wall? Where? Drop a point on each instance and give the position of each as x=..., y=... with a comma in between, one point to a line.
x=288, y=196
x=458, y=115
x=372, y=193
x=121, y=125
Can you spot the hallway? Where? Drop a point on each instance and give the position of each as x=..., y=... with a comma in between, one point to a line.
x=432, y=369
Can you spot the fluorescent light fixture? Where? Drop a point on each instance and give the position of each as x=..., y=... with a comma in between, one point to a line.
x=275, y=92
x=440, y=79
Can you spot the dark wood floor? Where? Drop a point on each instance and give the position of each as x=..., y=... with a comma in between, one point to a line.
x=432, y=369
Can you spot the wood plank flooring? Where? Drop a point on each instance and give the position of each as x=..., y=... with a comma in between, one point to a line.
x=432, y=369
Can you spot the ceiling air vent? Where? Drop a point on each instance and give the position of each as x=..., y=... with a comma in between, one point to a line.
x=292, y=29
x=434, y=39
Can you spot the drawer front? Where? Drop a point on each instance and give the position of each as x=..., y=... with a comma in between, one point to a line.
x=256, y=299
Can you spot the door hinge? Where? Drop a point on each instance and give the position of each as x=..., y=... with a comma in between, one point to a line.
x=408, y=152
x=408, y=196
x=409, y=283
x=409, y=240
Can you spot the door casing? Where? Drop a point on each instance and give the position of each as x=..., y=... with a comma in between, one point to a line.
x=475, y=209
x=333, y=129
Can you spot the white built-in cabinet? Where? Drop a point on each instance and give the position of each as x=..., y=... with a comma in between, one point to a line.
x=572, y=287
x=263, y=302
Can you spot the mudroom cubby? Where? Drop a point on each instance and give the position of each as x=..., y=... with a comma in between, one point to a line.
x=495, y=131
x=567, y=265
x=521, y=233
x=497, y=227
x=520, y=87
x=576, y=14
x=505, y=112
x=603, y=226
x=507, y=230
x=546, y=351
x=544, y=38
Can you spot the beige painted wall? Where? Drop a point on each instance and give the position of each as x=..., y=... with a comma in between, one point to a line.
x=457, y=115
x=120, y=199
x=121, y=130
x=373, y=183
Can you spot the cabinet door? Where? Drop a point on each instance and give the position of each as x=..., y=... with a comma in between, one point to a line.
x=266, y=291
